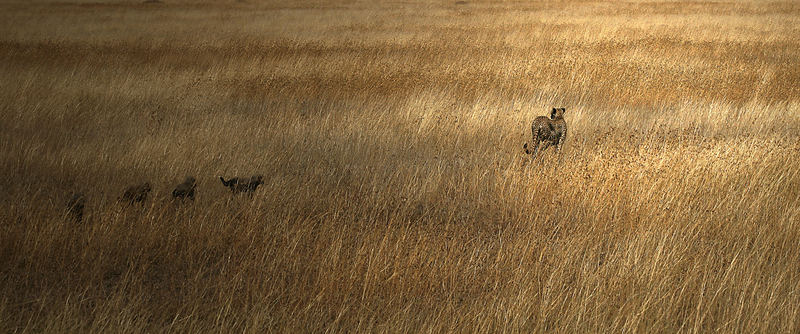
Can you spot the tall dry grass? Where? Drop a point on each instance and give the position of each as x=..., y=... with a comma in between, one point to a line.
x=396, y=195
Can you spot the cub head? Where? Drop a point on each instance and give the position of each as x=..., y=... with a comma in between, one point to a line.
x=77, y=200
x=189, y=180
x=557, y=113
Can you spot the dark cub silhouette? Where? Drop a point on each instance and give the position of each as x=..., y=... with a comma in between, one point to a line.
x=136, y=194
x=75, y=206
x=243, y=184
x=185, y=189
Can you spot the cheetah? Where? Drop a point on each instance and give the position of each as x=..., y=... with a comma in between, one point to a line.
x=185, y=189
x=136, y=194
x=547, y=131
x=243, y=185
x=75, y=206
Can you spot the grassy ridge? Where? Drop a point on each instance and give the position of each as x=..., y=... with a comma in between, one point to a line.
x=396, y=194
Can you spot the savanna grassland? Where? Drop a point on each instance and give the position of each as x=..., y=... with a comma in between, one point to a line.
x=396, y=195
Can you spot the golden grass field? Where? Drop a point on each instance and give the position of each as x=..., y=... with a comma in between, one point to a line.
x=397, y=197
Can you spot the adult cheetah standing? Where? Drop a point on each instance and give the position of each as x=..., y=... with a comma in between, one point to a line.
x=547, y=131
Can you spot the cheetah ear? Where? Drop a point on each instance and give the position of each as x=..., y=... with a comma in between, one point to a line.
x=554, y=109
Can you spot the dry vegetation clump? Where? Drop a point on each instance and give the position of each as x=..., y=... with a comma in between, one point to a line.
x=395, y=195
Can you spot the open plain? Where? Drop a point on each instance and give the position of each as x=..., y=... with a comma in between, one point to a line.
x=396, y=195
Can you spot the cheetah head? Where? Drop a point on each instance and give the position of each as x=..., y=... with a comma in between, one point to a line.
x=557, y=113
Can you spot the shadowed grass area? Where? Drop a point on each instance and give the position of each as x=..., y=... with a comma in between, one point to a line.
x=396, y=194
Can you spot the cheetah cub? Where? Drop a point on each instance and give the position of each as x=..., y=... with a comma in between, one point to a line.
x=243, y=185
x=185, y=189
x=136, y=193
